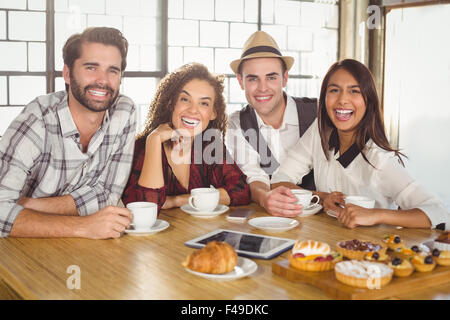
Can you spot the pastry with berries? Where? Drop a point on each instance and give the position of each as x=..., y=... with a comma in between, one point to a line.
x=423, y=262
x=401, y=267
x=442, y=242
x=357, y=249
x=442, y=258
x=393, y=241
x=311, y=255
x=363, y=274
x=376, y=256
x=408, y=253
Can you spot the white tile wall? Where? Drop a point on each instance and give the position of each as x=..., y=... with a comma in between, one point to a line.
x=24, y=89
x=230, y=10
x=13, y=4
x=214, y=34
x=17, y=20
x=36, y=56
x=2, y=25
x=14, y=56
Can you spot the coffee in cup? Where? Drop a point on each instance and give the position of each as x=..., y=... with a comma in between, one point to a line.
x=360, y=201
x=304, y=197
x=144, y=214
x=204, y=199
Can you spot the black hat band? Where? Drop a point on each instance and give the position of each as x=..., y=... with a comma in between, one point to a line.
x=260, y=49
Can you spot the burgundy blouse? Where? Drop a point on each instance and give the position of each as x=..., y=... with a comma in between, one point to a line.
x=227, y=176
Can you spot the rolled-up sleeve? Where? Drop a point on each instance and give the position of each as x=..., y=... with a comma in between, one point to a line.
x=395, y=182
x=19, y=152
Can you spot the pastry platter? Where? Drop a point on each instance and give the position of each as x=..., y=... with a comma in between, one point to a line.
x=334, y=288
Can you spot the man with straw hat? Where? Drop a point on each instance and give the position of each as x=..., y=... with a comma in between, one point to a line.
x=259, y=135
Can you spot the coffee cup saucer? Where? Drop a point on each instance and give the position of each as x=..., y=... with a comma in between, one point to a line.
x=221, y=208
x=311, y=210
x=159, y=225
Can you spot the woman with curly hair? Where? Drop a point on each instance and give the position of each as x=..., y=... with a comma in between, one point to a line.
x=173, y=154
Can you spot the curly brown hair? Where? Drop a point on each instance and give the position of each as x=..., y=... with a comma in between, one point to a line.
x=169, y=89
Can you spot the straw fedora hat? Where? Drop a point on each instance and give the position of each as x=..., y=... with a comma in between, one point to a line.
x=261, y=45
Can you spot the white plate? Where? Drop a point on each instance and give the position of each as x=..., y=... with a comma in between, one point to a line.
x=159, y=225
x=273, y=224
x=331, y=213
x=205, y=214
x=243, y=268
x=311, y=210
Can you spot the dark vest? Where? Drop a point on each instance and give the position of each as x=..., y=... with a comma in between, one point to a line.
x=307, y=113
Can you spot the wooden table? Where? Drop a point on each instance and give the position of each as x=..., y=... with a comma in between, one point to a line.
x=149, y=267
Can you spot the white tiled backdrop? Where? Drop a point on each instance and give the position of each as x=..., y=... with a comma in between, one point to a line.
x=208, y=31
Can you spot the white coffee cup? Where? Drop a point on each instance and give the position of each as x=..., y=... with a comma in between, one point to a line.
x=204, y=199
x=360, y=201
x=304, y=197
x=144, y=214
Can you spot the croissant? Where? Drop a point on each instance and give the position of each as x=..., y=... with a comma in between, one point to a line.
x=215, y=257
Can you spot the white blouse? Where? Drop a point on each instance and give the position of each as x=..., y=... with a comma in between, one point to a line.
x=388, y=183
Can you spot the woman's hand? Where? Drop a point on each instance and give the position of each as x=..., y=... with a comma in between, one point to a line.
x=352, y=216
x=164, y=132
x=334, y=201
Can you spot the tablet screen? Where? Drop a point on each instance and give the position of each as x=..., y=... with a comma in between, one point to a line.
x=246, y=244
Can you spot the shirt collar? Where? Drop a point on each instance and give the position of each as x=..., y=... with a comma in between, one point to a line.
x=290, y=114
x=68, y=127
x=349, y=155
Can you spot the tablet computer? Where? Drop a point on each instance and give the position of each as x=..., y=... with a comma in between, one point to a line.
x=246, y=244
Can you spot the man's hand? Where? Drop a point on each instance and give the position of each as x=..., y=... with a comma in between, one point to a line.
x=108, y=222
x=281, y=202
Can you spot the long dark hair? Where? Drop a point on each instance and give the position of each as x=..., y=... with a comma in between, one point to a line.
x=371, y=125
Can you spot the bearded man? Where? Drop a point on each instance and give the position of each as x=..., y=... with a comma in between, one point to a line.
x=65, y=160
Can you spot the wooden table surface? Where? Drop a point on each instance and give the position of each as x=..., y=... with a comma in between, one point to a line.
x=149, y=267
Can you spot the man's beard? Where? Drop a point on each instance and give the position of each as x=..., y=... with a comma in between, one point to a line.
x=81, y=93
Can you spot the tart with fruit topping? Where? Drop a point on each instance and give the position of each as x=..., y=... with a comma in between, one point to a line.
x=363, y=274
x=423, y=263
x=442, y=257
x=357, y=249
x=393, y=241
x=313, y=255
x=401, y=267
x=376, y=256
x=408, y=253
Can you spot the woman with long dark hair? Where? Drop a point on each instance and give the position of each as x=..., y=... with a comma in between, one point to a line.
x=181, y=147
x=348, y=149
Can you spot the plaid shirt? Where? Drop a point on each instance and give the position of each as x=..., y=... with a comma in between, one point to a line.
x=225, y=175
x=41, y=156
